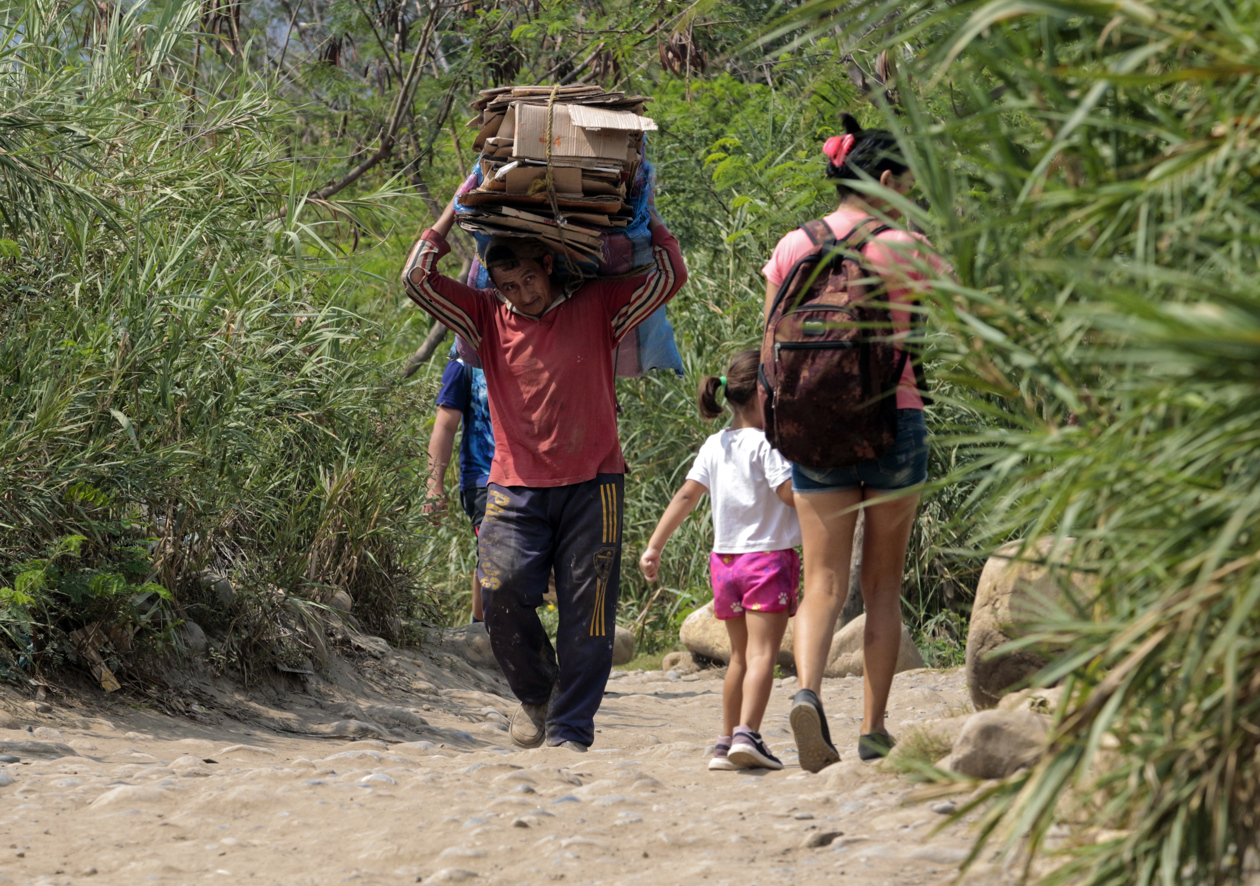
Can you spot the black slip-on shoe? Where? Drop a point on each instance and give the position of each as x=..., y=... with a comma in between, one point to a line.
x=809, y=728
x=875, y=745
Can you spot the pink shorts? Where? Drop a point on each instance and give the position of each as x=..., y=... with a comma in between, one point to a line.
x=762, y=582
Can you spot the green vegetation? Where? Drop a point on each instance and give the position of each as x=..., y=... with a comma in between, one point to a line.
x=205, y=207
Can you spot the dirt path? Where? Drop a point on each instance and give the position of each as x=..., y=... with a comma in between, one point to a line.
x=435, y=792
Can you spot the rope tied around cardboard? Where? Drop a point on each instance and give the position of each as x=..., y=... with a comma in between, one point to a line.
x=549, y=181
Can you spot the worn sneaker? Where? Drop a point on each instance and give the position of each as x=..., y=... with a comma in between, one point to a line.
x=529, y=725
x=809, y=728
x=720, y=762
x=576, y=746
x=875, y=745
x=748, y=751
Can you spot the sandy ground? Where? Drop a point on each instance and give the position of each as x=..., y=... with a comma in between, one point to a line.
x=429, y=788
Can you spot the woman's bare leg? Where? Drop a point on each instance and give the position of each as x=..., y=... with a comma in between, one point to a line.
x=827, y=523
x=887, y=534
x=736, y=675
x=764, y=632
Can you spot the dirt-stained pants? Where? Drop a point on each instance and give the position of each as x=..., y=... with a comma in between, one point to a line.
x=526, y=533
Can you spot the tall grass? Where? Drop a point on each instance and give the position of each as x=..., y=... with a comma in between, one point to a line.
x=179, y=390
x=1091, y=170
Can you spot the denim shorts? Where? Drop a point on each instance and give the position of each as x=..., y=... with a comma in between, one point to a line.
x=900, y=467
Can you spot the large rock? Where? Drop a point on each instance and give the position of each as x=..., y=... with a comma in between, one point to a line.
x=846, y=658
x=1011, y=594
x=623, y=646
x=995, y=744
x=704, y=634
x=470, y=642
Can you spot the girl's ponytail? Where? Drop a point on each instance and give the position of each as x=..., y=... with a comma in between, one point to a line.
x=710, y=408
x=739, y=385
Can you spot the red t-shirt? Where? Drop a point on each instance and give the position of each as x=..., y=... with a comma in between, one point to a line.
x=550, y=378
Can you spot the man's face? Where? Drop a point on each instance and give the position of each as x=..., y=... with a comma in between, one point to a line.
x=527, y=287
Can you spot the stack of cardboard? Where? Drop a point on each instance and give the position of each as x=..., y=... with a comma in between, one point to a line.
x=571, y=196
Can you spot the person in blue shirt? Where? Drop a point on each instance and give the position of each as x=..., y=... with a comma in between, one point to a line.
x=462, y=401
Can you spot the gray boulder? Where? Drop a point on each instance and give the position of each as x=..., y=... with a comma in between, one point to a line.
x=704, y=634
x=1012, y=594
x=846, y=657
x=623, y=646
x=471, y=642
x=995, y=744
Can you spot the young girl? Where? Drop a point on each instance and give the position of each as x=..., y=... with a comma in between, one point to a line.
x=754, y=565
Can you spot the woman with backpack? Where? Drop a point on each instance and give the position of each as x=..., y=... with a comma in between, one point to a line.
x=884, y=487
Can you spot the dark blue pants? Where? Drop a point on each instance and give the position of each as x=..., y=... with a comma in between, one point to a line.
x=575, y=530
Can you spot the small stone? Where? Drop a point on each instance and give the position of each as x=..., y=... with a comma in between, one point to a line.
x=939, y=854
x=6, y=779
x=520, y=822
x=452, y=875
x=946, y=808
x=47, y=733
x=819, y=839
x=523, y=789
x=9, y=758
x=803, y=816
x=376, y=778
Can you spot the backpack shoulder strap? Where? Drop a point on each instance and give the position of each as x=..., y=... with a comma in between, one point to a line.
x=818, y=231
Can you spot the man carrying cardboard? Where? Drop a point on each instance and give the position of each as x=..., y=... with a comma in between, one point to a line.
x=555, y=497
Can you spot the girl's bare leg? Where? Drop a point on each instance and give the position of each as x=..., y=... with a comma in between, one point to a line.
x=764, y=631
x=827, y=523
x=733, y=686
x=887, y=535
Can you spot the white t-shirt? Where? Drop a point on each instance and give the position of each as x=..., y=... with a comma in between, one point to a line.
x=742, y=471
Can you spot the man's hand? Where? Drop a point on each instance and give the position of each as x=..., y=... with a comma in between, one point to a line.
x=650, y=563
x=435, y=506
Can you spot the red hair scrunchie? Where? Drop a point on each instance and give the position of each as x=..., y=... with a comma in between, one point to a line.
x=837, y=148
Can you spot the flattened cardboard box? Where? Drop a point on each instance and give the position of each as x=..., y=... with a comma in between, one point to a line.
x=567, y=139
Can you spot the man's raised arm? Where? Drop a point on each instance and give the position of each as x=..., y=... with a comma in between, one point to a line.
x=459, y=307
x=655, y=288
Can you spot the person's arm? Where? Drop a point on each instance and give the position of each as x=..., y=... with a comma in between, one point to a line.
x=441, y=447
x=684, y=502
x=634, y=303
x=459, y=307
x=785, y=494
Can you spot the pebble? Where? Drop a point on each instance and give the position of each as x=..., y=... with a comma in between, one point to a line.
x=818, y=839
x=6, y=779
x=520, y=823
x=803, y=816
x=9, y=758
x=452, y=875
x=946, y=808
x=376, y=778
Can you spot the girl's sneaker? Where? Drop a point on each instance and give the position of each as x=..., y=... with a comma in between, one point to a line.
x=720, y=761
x=748, y=751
